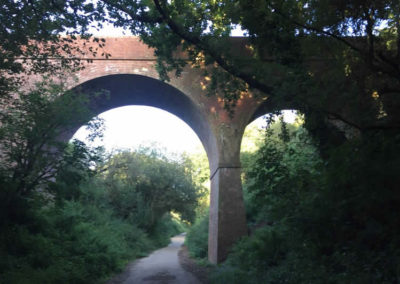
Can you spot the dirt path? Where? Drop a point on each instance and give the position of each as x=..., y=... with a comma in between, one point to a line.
x=161, y=267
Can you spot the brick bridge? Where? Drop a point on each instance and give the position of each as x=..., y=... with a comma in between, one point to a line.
x=131, y=79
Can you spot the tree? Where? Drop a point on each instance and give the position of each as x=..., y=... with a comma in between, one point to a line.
x=34, y=33
x=145, y=185
x=196, y=164
x=32, y=126
x=358, y=40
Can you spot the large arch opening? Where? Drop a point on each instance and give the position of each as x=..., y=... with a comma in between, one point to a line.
x=254, y=134
x=127, y=89
x=134, y=90
x=142, y=128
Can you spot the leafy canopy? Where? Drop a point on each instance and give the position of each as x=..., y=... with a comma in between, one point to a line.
x=357, y=41
x=32, y=140
x=151, y=186
x=34, y=33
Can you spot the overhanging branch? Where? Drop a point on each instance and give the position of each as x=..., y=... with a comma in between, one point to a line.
x=134, y=16
x=216, y=55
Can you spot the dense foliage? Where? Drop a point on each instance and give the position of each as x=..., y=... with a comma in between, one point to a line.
x=319, y=221
x=69, y=214
x=314, y=220
x=33, y=126
x=197, y=237
x=145, y=185
x=80, y=235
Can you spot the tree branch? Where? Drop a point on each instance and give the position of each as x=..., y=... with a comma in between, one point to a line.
x=368, y=56
x=370, y=38
x=216, y=55
x=319, y=31
x=134, y=16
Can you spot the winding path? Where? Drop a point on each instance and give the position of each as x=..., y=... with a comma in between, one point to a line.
x=161, y=267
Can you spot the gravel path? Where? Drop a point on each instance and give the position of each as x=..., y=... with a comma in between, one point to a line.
x=161, y=267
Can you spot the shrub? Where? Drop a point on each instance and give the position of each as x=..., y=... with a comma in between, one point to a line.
x=197, y=237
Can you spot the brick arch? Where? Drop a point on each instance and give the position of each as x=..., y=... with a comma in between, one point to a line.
x=130, y=89
x=131, y=77
x=102, y=68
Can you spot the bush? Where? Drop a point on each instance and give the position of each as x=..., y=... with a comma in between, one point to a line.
x=330, y=222
x=70, y=244
x=84, y=228
x=197, y=237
